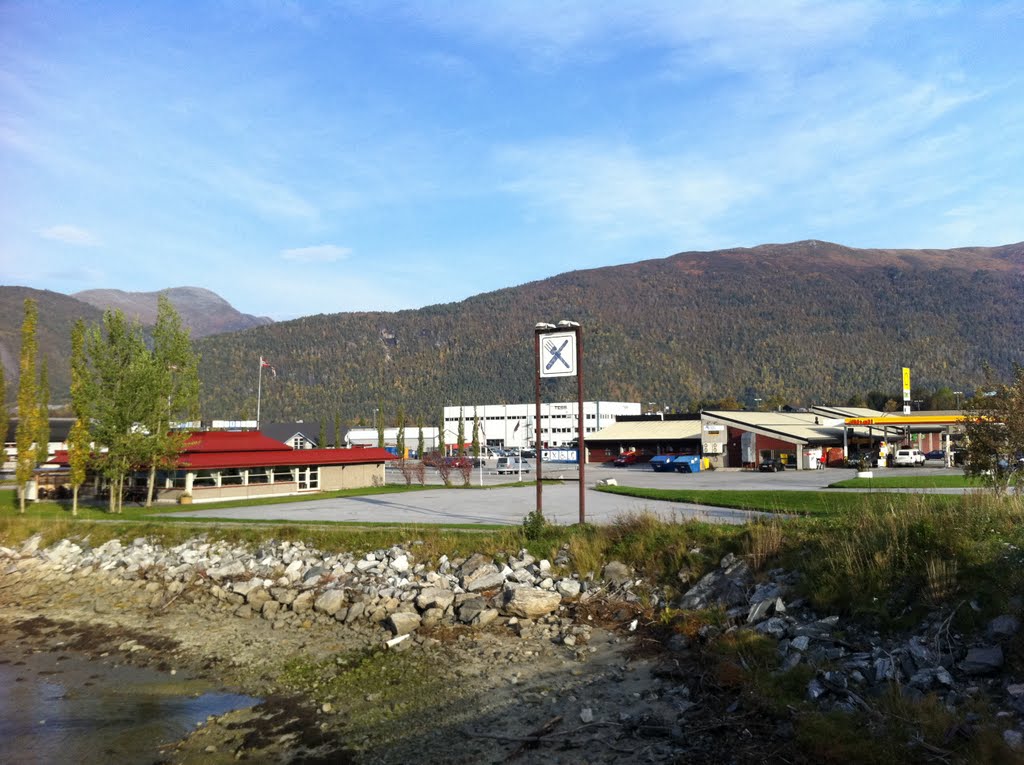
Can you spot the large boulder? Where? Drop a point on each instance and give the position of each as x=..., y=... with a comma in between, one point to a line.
x=330, y=602
x=403, y=622
x=530, y=602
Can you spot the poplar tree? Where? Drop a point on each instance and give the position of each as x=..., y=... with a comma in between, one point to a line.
x=337, y=430
x=400, y=440
x=440, y=439
x=79, y=446
x=419, y=439
x=380, y=425
x=175, y=391
x=462, y=434
x=476, y=436
x=43, y=422
x=121, y=385
x=28, y=403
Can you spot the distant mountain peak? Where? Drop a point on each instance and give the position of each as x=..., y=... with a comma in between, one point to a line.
x=203, y=311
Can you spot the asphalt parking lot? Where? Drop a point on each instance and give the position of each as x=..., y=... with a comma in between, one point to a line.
x=508, y=505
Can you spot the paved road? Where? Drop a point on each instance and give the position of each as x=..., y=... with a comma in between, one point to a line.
x=508, y=505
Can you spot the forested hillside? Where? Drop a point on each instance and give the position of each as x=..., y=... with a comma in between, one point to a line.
x=57, y=314
x=803, y=322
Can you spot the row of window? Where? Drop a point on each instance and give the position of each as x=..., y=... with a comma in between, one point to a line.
x=307, y=477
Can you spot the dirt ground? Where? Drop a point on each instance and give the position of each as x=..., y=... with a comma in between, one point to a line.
x=579, y=687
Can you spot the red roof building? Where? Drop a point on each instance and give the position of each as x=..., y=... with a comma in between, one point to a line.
x=220, y=465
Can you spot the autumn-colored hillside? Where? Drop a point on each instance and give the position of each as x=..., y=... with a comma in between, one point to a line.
x=803, y=322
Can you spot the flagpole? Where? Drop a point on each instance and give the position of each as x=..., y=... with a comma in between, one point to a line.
x=259, y=392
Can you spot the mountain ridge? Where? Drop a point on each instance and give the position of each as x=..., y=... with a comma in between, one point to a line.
x=202, y=311
x=797, y=322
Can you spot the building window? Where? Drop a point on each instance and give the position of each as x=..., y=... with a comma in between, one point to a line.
x=231, y=477
x=283, y=474
x=259, y=475
x=204, y=478
x=309, y=478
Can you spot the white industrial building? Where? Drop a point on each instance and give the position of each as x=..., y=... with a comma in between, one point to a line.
x=514, y=425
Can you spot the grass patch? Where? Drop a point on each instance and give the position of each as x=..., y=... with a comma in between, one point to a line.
x=910, y=482
x=818, y=503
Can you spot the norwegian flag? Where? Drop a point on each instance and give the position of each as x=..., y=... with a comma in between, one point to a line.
x=265, y=363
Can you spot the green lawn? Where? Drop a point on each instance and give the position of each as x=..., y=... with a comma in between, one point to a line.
x=819, y=503
x=910, y=482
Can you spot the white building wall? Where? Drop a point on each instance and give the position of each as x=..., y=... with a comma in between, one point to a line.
x=368, y=437
x=508, y=425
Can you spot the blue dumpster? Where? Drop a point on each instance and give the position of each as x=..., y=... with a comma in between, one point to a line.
x=662, y=463
x=687, y=463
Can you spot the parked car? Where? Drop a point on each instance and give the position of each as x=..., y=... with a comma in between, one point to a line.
x=512, y=465
x=771, y=465
x=936, y=454
x=908, y=458
x=432, y=459
x=626, y=458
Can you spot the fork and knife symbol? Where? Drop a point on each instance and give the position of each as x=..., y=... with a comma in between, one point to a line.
x=556, y=354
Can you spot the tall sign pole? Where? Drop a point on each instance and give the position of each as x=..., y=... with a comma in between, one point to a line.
x=538, y=330
x=559, y=353
x=581, y=450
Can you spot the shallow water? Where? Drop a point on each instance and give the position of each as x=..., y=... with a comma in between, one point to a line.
x=64, y=707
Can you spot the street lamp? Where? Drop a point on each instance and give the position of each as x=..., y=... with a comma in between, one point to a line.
x=958, y=394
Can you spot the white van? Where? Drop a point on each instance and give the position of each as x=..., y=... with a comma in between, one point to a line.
x=908, y=458
x=512, y=465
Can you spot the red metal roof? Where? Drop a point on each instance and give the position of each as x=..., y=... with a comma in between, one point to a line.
x=232, y=441
x=212, y=450
x=286, y=457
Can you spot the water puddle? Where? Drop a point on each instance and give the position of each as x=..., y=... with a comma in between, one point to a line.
x=64, y=707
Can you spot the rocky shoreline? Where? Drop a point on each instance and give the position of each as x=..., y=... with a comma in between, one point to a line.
x=380, y=657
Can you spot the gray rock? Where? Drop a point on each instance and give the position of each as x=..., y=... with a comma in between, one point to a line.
x=1003, y=627
x=982, y=660
x=815, y=690
x=303, y=602
x=760, y=611
x=257, y=597
x=617, y=573
x=568, y=588
x=775, y=627
x=403, y=623
x=530, y=602
x=484, y=617
x=234, y=568
x=727, y=585
x=484, y=577
x=1014, y=739
x=283, y=595
x=434, y=597
x=468, y=609
x=329, y=602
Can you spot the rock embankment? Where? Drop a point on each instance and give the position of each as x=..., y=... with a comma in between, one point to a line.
x=526, y=668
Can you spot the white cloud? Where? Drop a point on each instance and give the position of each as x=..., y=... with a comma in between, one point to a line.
x=733, y=33
x=69, y=234
x=615, y=192
x=321, y=253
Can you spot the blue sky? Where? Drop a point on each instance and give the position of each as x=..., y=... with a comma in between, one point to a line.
x=317, y=157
